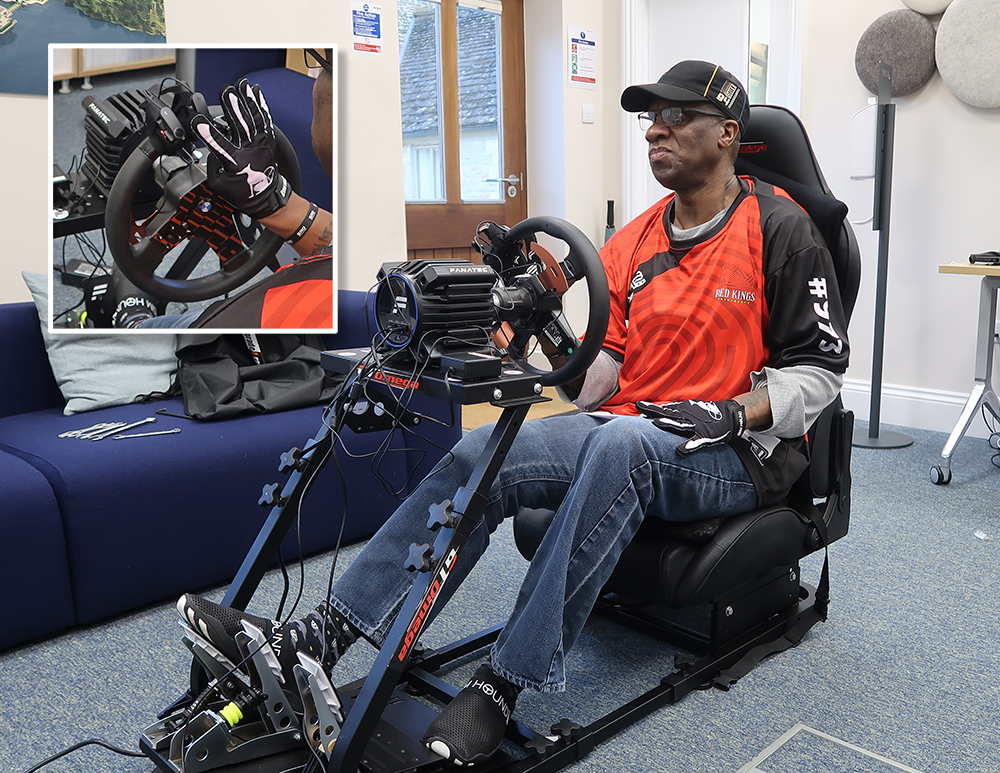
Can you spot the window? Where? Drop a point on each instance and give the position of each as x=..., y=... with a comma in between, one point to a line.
x=477, y=29
x=420, y=86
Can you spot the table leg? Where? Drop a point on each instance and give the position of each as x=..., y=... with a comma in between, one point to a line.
x=982, y=391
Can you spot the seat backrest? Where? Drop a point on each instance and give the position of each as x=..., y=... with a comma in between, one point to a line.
x=775, y=147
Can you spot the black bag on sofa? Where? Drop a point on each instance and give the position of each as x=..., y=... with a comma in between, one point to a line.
x=220, y=376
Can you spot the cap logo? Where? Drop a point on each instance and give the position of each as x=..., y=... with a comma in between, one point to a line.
x=728, y=94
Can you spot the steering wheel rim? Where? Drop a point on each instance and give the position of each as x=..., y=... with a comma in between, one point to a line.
x=139, y=261
x=586, y=262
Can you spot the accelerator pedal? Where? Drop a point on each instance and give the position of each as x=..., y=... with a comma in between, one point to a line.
x=322, y=710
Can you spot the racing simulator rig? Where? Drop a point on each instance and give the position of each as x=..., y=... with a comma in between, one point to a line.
x=436, y=323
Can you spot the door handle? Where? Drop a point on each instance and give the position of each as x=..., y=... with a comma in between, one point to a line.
x=513, y=181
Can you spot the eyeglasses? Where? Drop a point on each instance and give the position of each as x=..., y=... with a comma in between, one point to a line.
x=672, y=116
x=314, y=59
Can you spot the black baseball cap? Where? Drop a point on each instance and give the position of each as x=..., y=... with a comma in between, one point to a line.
x=691, y=81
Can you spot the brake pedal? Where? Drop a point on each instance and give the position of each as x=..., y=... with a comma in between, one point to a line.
x=257, y=649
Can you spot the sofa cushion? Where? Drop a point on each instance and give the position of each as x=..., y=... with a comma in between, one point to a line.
x=152, y=517
x=100, y=370
x=34, y=576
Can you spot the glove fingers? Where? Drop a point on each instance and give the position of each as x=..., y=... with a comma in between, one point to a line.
x=675, y=426
x=266, y=124
x=234, y=108
x=696, y=443
x=250, y=104
x=650, y=410
x=213, y=138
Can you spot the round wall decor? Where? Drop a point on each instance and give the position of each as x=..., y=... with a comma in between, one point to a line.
x=927, y=7
x=968, y=51
x=902, y=39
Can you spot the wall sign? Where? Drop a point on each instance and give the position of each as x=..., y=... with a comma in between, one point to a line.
x=582, y=57
x=366, y=27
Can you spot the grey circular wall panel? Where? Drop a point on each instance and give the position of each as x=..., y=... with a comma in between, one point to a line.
x=927, y=7
x=904, y=39
x=968, y=51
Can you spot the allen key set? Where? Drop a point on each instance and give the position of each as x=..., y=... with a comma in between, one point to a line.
x=115, y=428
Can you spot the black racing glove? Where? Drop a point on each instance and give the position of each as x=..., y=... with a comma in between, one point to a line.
x=704, y=423
x=243, y=167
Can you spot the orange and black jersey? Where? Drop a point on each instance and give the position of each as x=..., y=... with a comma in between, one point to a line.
x=693, y=319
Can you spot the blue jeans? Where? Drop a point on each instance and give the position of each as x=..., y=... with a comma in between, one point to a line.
x=602, y=475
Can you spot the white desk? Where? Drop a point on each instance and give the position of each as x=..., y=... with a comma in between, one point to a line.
x=982, y=389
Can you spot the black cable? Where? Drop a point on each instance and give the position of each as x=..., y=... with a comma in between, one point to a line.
x=285, y=584
x=401, y=397
x=76, y=746
x=994, y=438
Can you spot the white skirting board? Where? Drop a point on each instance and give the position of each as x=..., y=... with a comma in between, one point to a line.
x=916, y=407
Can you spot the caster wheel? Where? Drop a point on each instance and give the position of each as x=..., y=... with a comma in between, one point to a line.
x=940, y=476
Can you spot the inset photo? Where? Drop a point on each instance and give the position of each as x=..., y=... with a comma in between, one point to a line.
x=193, y=188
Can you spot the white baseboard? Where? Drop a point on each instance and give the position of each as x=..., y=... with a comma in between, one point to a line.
x=904, y=406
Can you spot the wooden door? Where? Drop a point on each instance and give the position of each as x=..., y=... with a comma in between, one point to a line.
x=462, y=82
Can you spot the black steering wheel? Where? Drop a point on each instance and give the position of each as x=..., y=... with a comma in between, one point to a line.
x=529, y=298
x=188, y=210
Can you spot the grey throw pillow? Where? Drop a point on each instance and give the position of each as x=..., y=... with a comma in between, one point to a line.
x=98, y=370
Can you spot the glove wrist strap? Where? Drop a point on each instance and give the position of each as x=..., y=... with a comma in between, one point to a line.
x=275, y=200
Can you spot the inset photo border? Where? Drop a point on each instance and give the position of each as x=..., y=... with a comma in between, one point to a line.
x=193, y=188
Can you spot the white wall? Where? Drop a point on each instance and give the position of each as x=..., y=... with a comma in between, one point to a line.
x=370, y=193
x=574, y=168
x=944, y=207
x=24, y=218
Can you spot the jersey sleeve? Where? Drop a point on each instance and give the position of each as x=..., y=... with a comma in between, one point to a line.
x=615, y=267
x=807, y=324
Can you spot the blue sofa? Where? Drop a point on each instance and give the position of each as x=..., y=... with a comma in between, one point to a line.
x=95, y=529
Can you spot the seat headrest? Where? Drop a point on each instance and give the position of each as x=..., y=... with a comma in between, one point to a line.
x=827, y=212
x=776, y=148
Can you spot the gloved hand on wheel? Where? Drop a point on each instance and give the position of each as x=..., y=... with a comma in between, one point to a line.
x=243, y=167
x=703, y=423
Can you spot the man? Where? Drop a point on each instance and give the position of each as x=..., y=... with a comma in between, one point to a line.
x=726, y=331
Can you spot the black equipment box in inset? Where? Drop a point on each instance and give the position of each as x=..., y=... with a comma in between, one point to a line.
x=113, y=127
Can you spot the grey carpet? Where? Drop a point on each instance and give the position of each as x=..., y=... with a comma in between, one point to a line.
x=905, y=668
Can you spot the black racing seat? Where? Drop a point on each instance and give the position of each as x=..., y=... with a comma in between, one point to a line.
x=744, y=571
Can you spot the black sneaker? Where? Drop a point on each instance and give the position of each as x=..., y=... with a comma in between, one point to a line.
x=471, y=727
x=323, y=634
x=220, y=624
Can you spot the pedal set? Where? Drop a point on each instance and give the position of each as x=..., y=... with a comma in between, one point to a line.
x=239, y=719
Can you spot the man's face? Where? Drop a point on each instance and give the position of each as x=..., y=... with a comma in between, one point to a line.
x=322, y=124
x=683, y=157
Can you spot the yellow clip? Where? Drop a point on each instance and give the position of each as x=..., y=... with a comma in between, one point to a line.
x=232, y=714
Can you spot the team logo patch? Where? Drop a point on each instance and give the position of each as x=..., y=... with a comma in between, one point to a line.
x=728, y=93
x=737, y=287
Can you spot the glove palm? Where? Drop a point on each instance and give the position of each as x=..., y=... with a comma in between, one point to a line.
x=243, y=166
